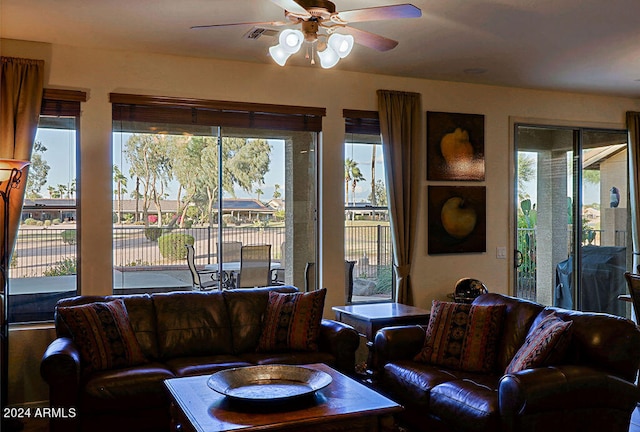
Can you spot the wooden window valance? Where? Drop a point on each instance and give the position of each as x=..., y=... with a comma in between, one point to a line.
x=199, y=112
x=361, y=122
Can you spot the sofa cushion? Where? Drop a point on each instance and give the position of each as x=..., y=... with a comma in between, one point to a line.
x=192, y=324
x=545, y=344
x=469, y=404
x=134, y=388
x=292, y=321
x=412, y=382
x=462, y=336
x=103, y=334
x=204, y=365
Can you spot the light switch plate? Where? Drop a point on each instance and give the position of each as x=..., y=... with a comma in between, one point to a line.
x=501, y=252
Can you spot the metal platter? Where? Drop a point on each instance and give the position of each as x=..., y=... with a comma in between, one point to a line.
x=268, y=383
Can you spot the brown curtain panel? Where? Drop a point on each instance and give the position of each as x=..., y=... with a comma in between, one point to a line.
x=633, y=126
x=401, y=129
x=21, y=84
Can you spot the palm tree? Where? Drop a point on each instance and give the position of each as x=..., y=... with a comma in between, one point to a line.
x=259, y=192
x=121, y=187
x=352, y=175
x=349, y=165
x=276, y=192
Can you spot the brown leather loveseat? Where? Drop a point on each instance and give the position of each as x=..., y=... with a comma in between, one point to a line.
x=590, y=389
x=180, y=334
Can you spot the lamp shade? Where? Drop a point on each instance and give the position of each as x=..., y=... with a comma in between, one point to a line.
x=8, y=165
x=279, y=55
x=341, y=44
x=328, y=57
x=291, y=40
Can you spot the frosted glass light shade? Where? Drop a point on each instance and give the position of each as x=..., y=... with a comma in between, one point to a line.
x=328, y=58
x=341, y=44
x=291, y=40
x=279, y=55
x=7, y=165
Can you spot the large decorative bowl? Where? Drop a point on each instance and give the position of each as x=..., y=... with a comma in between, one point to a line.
x=268, y=383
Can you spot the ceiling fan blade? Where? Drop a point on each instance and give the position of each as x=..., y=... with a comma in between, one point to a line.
x=292, y=6
x=381, y=13
x=258, y=23
x=371, y=40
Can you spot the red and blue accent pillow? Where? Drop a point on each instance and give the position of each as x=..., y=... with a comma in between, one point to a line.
x=463, y=336
x=292, y=321
x=103, y=334
x=545, y=344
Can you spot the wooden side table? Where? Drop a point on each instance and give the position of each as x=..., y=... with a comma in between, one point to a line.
x=367, y=319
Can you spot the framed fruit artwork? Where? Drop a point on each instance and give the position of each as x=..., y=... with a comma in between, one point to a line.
x=457, y=219
x=455, y=146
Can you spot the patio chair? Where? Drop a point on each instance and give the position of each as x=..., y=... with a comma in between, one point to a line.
x=255, y=267
x=230, y=251
x=633, y=284
x=202, y=279
x=277, y=274
x=310, y=279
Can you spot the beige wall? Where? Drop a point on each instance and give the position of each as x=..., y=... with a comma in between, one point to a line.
x=100, y=72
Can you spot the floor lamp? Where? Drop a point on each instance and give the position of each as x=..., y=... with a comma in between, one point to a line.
x=10, y=176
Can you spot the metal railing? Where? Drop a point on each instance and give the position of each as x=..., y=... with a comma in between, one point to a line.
x=47, y=251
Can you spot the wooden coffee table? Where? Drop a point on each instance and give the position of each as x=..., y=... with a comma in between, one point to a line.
x=344, y=405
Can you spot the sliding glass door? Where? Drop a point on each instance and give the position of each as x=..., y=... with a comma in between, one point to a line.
x=571, y=217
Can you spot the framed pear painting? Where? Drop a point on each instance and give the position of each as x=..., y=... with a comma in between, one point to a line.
x=457, y=219
x=455, y=146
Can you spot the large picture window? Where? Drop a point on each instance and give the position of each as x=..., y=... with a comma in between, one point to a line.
x=368, y=248
x=215, y=175
x=44, y=262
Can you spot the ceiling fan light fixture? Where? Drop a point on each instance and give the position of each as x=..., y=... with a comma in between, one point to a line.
x=279, y=55
x=341, y=44
x=291, y=40
x=328, y=57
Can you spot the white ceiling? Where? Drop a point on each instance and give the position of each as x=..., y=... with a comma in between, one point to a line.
x=588, y=46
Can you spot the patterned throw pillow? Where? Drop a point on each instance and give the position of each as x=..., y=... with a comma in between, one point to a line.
x=103, y=334
x=545, y=344
x=462, y=336
x=292, y=321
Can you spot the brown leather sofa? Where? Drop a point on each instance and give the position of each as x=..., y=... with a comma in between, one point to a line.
x=134, y=398
x=592, y=390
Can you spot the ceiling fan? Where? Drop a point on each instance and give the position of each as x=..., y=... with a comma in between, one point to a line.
x=317, y=16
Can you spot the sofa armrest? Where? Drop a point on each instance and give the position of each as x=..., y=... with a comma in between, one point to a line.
x=397, y=343
x=562, y=388
x=341, y=340
x=60, y=368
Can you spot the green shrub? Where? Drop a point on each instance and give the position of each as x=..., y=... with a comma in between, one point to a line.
x=68, y=236
x=47, y=223
x=384, y=282
x=137, y=263
x=30, y=221
x=56, y=221
x=68, y=266
x=172, y=245
x=153, y=233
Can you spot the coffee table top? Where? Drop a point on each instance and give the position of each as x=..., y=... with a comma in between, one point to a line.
x=209, y=411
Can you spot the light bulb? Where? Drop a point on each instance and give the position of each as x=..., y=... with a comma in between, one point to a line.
x=328, y=58
x=341, y=44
